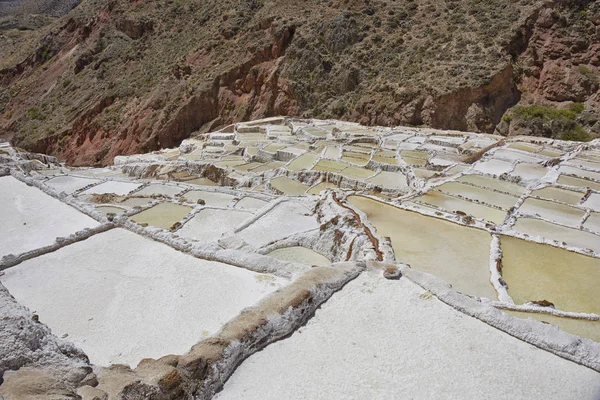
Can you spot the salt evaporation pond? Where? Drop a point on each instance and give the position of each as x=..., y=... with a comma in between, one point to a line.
x=537, y=272
x=289, y=186
x=580, y=327
x=209, y=224
x=31, y=219
x=130, y=298
x=382, y=339
x=163, y=215
x=414, y=236
x=301, y=255
x=453, y=204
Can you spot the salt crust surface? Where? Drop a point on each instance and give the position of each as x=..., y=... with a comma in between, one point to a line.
x=32, y=219
x=116, y=187
x=285, y=219
x=122, y=298
x=389, y=339
x=69, y=184
x=209, y=224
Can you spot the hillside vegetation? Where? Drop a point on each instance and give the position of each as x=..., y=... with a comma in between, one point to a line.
x=118, y=76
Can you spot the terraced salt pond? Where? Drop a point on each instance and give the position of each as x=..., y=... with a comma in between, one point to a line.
x=30, y=220
x=494, y=184
x=552, y=211
x=566, y=196
x=318, y=188
x=285, y=219
x=301, y=255
x=578, y=182
x=454, y=204
x=110, y=210
x=215, y=199
x=250, y=203
x=305, y=161
x=152, y=190
x=70, y=184
x=500, y=200
x=114, y=187
x=289, y=186
x=163, y=215
x=414, y=235
x=537, y=272
x=504, y=230
x=132, y=293
x=581, y=327
x=572, y=237
x=210, y=224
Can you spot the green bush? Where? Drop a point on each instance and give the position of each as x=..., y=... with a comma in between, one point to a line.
x=542, y=112
x=552, y=122
x=577, y=133
x=577, y=108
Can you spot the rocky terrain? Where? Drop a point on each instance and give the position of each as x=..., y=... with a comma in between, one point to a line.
x=118, y=77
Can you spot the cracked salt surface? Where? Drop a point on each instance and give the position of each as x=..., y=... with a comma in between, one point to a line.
x=122, y=298
x=389, y=339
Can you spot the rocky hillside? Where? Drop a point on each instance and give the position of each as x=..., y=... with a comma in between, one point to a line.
x=120, y=76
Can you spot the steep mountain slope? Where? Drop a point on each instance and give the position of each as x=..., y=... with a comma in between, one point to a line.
x=117, y=77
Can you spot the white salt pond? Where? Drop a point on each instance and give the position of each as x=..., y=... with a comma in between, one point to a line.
x=566, y=196
x=593, y=202
x=453, y=204
x=250, y=203
x=552, y=211
x=210, y=198
x=285, y=219
x=494, y=184
x=209, y=223
x=69, y=184
x=301, y=255
x=501, y=200
x=548, y=230
x=382, y=339
x=390, y=180
x=494, y=167
x=166, y=190
x=122, y=298
x=110, y=210
x=116, y=187
x=580, y=327
x=32, y=219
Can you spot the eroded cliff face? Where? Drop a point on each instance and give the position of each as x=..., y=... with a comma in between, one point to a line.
x=559, y=67
x=119, y=78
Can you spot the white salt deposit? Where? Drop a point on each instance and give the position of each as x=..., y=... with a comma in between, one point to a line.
x=116, y=187
x=209, y=224
x=69, y=184
x=32, y=219
x=210, y=198
x=250, y=203
x=494, y=167
x=121, y=297
x=593, y=202
x=382, y=339
x=283, y=220
x=166, y=190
